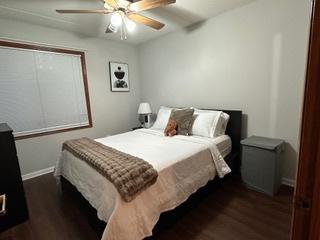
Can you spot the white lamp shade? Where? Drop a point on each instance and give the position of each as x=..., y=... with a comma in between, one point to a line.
x=144, y=108
x=116, y=19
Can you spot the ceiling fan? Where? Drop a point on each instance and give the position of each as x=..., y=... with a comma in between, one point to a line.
x=126, y=13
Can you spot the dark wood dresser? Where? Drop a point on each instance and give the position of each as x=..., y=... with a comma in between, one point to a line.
x=10, y=182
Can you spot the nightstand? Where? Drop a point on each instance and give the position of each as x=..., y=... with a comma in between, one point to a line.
x=135, y=128
x=261, y=163
x=13, y=206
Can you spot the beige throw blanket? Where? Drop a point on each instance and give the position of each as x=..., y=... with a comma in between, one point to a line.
x=129, y=174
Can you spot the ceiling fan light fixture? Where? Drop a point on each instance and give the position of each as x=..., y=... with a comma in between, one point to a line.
x=131, y=26
x=112, y=29
x=116, y=19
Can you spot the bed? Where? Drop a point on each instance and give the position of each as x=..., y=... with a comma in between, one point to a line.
x=184, y=164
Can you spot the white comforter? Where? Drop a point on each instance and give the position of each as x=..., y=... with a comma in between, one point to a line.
x=184, y=165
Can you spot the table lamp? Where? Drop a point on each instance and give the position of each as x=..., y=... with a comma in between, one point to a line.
x=145, y=109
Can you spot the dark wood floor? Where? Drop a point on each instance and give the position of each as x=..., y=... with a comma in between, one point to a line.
x=227, y=212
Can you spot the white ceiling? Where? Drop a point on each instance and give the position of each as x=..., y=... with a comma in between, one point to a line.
x=181, y=14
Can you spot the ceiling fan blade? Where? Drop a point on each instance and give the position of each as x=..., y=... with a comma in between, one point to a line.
x=112, y=3
x=146, y=21
x=148, y=4
x=103, y=11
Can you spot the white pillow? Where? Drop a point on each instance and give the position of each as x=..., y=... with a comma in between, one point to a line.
x=162, y=118
x=222, y=124
x=205, y=123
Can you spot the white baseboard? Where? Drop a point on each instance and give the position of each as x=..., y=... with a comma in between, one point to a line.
x=288, y=182
x=37, y=173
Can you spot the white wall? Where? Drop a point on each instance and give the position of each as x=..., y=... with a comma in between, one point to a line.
x=111, y=112
x=252, y=58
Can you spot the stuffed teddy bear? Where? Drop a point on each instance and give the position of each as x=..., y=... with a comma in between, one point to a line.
x=171, y=128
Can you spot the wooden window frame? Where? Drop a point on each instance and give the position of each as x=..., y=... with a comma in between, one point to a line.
x=84, y=77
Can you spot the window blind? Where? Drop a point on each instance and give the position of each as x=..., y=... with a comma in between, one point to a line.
x=41, y=91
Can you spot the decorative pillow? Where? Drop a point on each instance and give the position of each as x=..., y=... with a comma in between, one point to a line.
x=205, y=123
x=183, y=118
x=162, y=118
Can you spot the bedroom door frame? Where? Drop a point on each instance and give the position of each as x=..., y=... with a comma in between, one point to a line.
x=306, y=210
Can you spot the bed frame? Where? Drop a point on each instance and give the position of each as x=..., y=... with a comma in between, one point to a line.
x=167, y=218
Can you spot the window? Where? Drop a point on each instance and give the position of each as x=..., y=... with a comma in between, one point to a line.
x=42, y=90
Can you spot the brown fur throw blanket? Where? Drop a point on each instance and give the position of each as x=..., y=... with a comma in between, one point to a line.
x=130, y=175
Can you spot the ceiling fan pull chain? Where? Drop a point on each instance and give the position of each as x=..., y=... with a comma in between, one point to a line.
x=121, y=32
x=124, y=29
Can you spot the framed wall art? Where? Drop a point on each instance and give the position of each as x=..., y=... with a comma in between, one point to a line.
x=119, y=77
